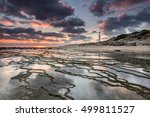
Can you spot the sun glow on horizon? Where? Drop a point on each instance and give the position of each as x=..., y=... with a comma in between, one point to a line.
x=39, y=46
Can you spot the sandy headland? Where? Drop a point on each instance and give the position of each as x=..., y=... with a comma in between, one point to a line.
x=138, y=42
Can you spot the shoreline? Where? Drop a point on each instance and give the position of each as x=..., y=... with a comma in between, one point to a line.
x=95, y=48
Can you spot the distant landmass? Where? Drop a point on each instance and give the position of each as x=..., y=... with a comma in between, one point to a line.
x=141, y=38
x=3, y=48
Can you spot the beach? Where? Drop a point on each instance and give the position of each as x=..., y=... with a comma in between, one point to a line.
x=75, y=73
x=95, y=48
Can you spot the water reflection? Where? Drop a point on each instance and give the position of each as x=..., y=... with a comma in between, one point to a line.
x=59, y=74
x=6, y=73
x=83, y=89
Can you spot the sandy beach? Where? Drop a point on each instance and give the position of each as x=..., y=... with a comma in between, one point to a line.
x=95, y=48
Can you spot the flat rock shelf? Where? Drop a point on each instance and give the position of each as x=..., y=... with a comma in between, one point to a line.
x=48, y=74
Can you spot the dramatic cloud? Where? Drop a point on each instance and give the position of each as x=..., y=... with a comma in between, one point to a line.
x=71, y=25
x=42, y=15
x=104, y=7
x=93, y=32
x=125, y=21
x=79, y=37
x=69, y=22
x=99, y=8
x=36, y=24
x=46, y=21
x=123, y=4
x=73, y=30
x=7, y=22
x=40, y=9
x=26, y=33
x=53, y=34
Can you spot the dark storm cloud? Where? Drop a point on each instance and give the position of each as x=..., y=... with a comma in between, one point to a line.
x=144, y=15
x=41, y=9
x=125, y=21
x=5, y=18
x=17, y=30
x=74, y=30
x=8, y=8
x=71, y=25
x=25, y=33
x=53, y=34
x=79, y=37
x=104, y=7
x=99, y=8
x=1, y=25
x=2, y=3
x=93, y=32
x=69, y=22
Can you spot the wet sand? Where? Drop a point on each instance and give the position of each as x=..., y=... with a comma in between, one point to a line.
x=94, y=48
x=57, y=74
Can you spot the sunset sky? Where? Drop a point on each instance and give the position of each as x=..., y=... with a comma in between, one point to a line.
x=59, y=22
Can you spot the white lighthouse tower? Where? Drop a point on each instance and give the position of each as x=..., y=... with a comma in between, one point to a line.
x=99, y=37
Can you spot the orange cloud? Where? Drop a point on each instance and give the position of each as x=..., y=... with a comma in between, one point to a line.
x=121, y=6
x=6, y=22
x=30, y=42
x=36, y=24
x=125, y=4
x=12, y=41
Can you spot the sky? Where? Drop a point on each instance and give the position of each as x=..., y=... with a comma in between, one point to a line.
x=41, y=23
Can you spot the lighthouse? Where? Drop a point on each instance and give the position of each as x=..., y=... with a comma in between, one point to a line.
x=99, y=37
